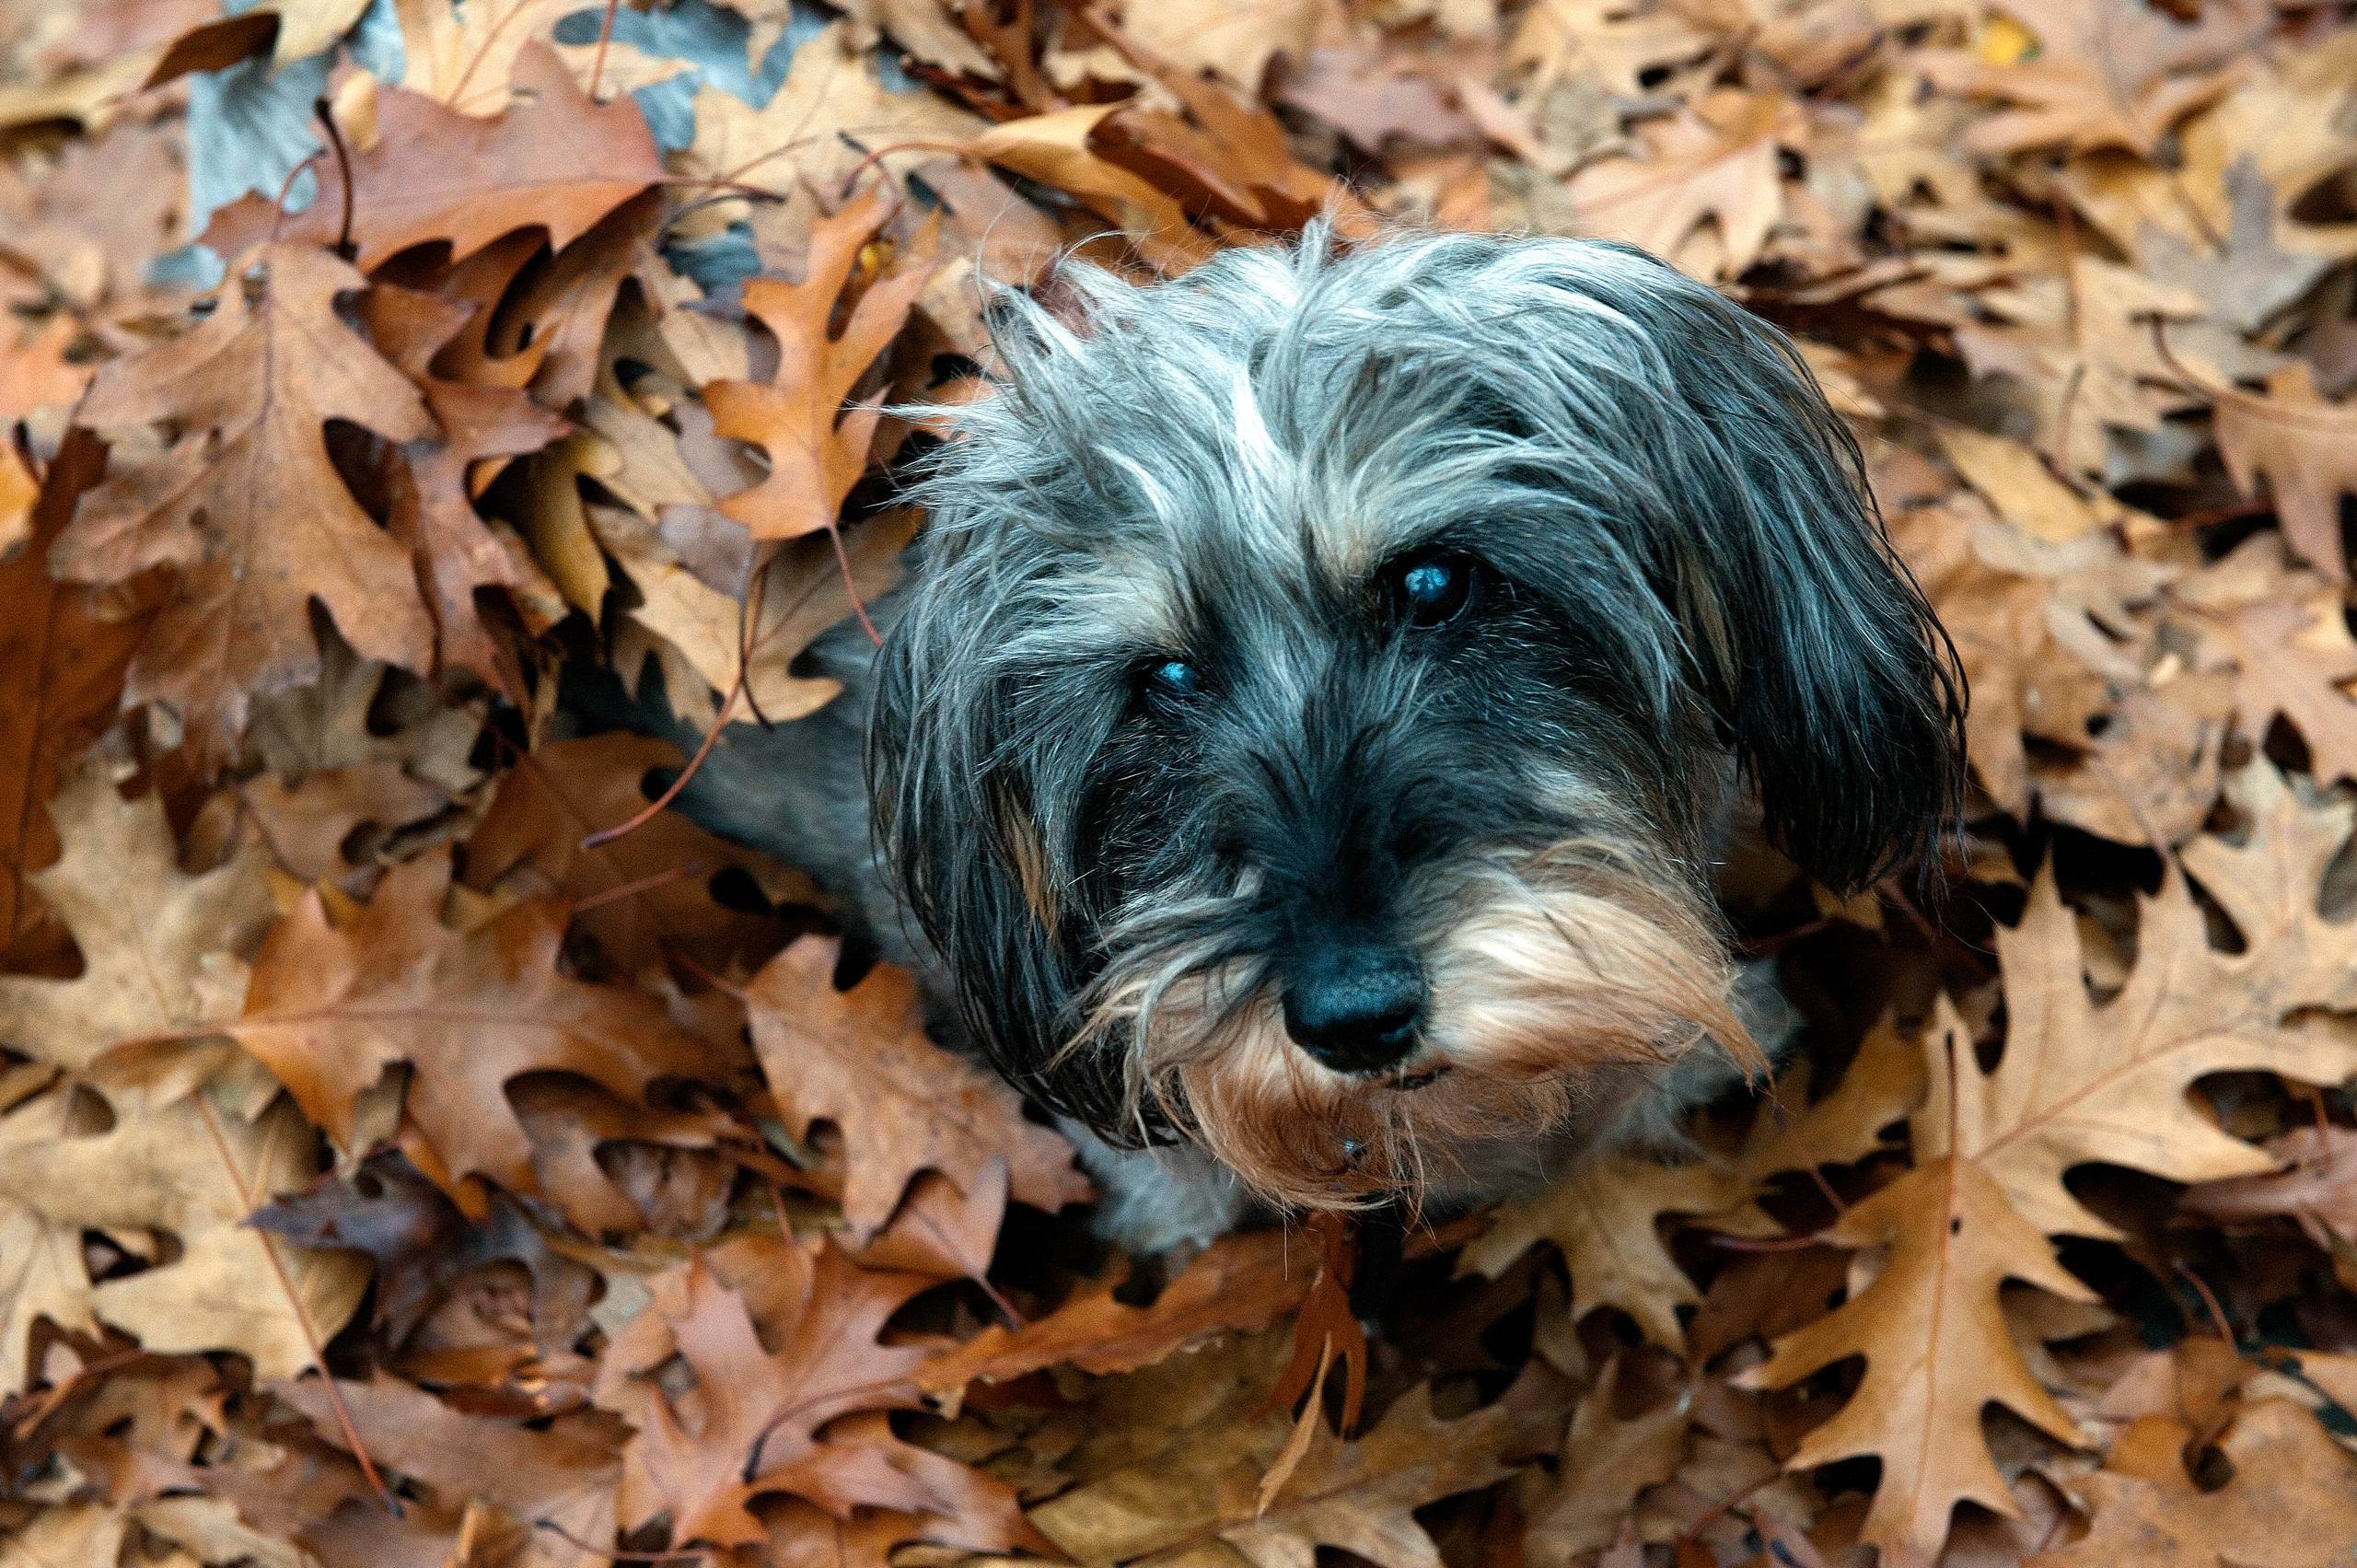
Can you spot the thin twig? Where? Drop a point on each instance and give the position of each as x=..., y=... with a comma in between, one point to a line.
x=655, y=807
x=302, y=1318
x=326, y=111
x=605, y=38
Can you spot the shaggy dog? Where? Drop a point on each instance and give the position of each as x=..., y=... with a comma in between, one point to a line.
x=1326, y=687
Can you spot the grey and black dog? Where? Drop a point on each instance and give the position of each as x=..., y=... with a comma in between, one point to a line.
x=1326, y=686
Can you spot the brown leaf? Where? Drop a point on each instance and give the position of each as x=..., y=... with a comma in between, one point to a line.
x=245, y=504
x=1609, y=1459
x=331, y=1007
x=2307, y=450
x=1238, y=1283
x=1714, y=164
x=554, y=161
x=194, y=1170
x=1604, y=1218
x=2291, y=1502
x=434, y=510
x=817, y=449
x=1360, y=1496
x=635, y=895
x=2104, y=74
x=565, y=1473
x=62, y=664
x=861, y=1060
x=163, y=952
x=763, y=1421
x=1937, y=1350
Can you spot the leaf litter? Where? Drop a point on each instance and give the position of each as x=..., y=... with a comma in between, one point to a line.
x=395, y=1167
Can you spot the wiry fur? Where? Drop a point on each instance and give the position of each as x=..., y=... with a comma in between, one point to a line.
x=1688, y=601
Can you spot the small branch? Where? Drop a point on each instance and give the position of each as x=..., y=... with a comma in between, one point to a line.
x=326, y=111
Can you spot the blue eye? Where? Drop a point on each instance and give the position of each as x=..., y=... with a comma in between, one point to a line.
x=1434, y=590
x=1173, y=677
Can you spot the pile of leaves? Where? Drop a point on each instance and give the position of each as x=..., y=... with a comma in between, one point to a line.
x=417, y=1148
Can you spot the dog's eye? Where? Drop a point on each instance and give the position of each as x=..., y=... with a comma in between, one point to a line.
x=1433, y=591
x=1172, y=678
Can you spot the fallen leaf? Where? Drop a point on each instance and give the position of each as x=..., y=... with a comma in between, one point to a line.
x=1604, y=1218
x=194, y=1170
x=860, y=1059
x=163, y=951
x=554, y=161
x=245, y=505
x=2288, y=1503
x=2307, y=450
x=817, y=448
x=332, y=1007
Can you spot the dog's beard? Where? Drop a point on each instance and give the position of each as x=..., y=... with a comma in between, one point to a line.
x=1562, y=983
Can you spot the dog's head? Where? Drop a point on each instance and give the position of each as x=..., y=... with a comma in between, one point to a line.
x=1325, y=677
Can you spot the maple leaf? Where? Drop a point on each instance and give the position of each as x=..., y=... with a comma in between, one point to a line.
x=245, y=503
x=162, y=950
x=1359, y=1496
x=817, y=449
x=62, y=665
x=1603, y=1218
x=555, y=160
x=432, y=511
x=2307, y=450
x=2289, y=1503
x=1717, y=163
x=193, y=1170
x=332, y=1007
x=861, y=1060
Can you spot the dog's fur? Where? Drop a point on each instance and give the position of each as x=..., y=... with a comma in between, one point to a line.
x=1686, y=609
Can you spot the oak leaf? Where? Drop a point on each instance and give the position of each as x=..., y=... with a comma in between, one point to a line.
x=1609, y=1460
x=163, y=951
x=465, y=55
x=2104, y=74
x=1604, y=1218
x=2291, y=1503
x=1715, y=163
x=245, y=503
x=2306, y=448
x=861, y=1060
x=193, y=1170
x=633, y=896
x=554, y=161
x=564, y=1474
x=1359, y=1496
x=1241, y=1282
x=2081, y=1081
x=764, y=1419
x=817, y=448
x=432, y=508
x=332, y=1007
x=62, y=666
x=1937, y=1348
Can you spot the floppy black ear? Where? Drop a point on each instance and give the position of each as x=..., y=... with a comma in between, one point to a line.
x=1814, y=643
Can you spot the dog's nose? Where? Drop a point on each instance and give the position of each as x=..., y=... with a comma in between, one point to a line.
x=1354, y=1007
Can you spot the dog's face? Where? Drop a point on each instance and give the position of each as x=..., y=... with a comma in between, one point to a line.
x=1325, y=680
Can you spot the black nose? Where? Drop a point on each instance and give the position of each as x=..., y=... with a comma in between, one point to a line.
x=1354, y=1007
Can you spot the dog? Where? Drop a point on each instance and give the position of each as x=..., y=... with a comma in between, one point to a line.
x=1326, y=687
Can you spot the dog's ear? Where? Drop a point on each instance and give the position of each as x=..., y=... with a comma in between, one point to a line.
x=1811, y=639
x=1694, y=433
x=954, y=764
